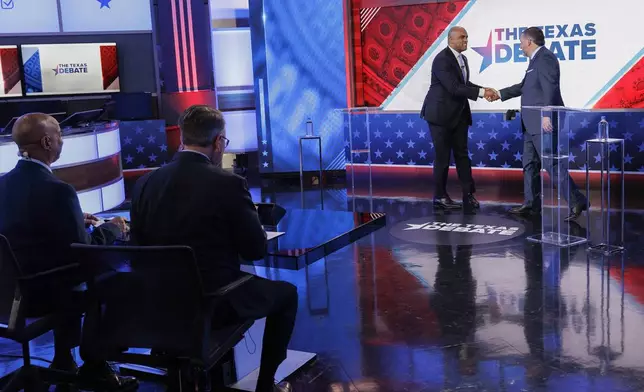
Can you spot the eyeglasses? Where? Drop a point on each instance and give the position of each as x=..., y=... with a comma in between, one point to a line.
x=226, y=141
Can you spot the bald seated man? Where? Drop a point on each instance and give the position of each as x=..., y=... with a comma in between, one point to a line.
x=41, y=217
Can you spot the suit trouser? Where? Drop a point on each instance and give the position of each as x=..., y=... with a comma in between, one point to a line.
x=447, y=141
x=532, y=148
x=275, y=300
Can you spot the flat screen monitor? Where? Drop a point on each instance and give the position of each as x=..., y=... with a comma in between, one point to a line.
x=10, y=76
x=60, y=69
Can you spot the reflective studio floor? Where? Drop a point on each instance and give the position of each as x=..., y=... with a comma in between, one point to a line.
x=400, y=311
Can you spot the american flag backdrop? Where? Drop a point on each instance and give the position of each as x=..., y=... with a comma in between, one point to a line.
x=404, y=139
x=143, y=144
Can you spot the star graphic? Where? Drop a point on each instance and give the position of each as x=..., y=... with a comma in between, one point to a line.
x=378, y=153
x=399, y=134
x=584, y=123
x=505, y=165
x=152, y=139
x=628, y=136
x=356, y=154
x=572, y=157
x=399, y=153
x=492, y=115
x=598, y=158
x=152, y=157
x=613, y=124
x=411, y=162
x=56, y=71
x=582, y=167
x=264, y=142
x=571, y=135
x=140, y=149
x=518, y=135
x=104, y=3
x=413, y=226
x=480, y=145
x=431, y=145
x=138, y=130
x=163, y=147
x=480, y=164
x=613, y=168
x=628, y=159
x=387, y=124
x=388, y=143
x=264, y=153
x=518, y=156
x=469, y=154
x=367, y=144
x=389, y=162
x=410, y=124
x=129, y=158
x=641, y=147
x=410, y=144
x=506, y=124
x=469, y=134
x=127, y=140
x=480, y=124
x=422, y=134
x=356, y=134
x=492, y=134
x=612, y=147
x=377, y=134
x=505, y=146
x=347, y=143
x=582, y=147
x=422, y=154
x=265, y=164
x=493, y=156
x=486, y=53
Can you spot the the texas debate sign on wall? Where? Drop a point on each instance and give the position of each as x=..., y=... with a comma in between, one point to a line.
x=600, y=50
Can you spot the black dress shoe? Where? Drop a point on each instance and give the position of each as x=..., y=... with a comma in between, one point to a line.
x=104, y=377
x=471, y=201
x=524, y=210
x=576, y=211
x=446, y=203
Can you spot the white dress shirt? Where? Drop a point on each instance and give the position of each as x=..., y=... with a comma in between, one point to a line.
x=531, y=57
x=461, y=62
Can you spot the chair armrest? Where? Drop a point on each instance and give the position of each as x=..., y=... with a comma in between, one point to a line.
x=50, y=273
x=229, y=287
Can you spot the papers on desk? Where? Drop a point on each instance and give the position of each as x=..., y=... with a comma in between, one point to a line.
x=271, y=235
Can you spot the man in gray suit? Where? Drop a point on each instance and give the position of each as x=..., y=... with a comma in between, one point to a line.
x=540, y=87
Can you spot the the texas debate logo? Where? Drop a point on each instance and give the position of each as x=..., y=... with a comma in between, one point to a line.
x=71, y=68
x=567, y=41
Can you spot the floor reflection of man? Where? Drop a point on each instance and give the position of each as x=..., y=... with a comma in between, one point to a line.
x=454, y=301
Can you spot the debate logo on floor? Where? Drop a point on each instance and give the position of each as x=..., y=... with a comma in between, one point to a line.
x=457, y=230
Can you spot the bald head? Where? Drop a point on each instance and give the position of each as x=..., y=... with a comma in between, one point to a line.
x=38, y=136
x=457, y=38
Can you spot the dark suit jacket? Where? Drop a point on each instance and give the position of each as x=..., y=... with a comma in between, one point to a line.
x=539, y=87
x=41, y=216
x=191, y=202
x=446, y=101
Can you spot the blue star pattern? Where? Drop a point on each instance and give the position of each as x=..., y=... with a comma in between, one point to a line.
x=404, y=139
x=104, y=3
x=143, y=144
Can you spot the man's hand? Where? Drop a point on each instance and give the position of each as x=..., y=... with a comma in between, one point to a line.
x=546, y=124
x=120, y=223
x=89, y=219
x=491, y=95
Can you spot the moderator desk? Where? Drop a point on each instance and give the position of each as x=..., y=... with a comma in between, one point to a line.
x=90, y=162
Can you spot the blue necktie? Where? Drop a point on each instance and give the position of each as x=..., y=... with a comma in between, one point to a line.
x=461, y=62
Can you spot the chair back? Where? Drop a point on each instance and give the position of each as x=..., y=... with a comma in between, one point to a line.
x=151, y=297
x=10, y=297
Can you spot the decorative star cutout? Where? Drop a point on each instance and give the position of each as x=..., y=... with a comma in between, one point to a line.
x=399, y=153
x=505, y=124
x=410, y=124
x=493, y=156
x=410, y=144
x=505, y=146
x=480, y=145
x=377, y=134
x=399, y=134
x=613, y=147
x=127, y=140
x=140, y=149
x=152, y=139
x=518, y=135
x=163, y=147
x=628, y=136
x=152, y=157
x=422, y=154
x=505, y=165
x=265, y=153
x=378, y=153
x=598, y=158
x=628, y=159
x=518, y=156
x=480, y=164
x=104, y=3
x=388, y=143
x=480, y=124
x=492, y=134
x=387, y=124
x=389, y=162
x=641, y=147
x=469, y=134
x=422, y=134
x=129, y=158
x=411, y=162
x=572, y=157
x=265, y=164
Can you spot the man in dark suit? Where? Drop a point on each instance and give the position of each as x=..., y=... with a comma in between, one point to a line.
x=41, y=217
x=192, y=201
x=540, y=87
x=448, y=114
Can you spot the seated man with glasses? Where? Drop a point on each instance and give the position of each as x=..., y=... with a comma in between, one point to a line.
x=194, y=202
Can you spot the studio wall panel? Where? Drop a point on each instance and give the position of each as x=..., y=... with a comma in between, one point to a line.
x=28, y=16
x=106, y=15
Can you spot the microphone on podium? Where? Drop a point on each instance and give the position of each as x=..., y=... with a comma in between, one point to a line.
x=270, y=213
x=511, y=115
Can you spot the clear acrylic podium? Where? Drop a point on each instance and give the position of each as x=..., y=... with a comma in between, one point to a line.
x=556, y=188
x=358, y=136
x=612, y=225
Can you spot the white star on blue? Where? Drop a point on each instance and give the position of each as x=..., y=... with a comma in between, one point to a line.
x=387, y=124
x=140, y=149
x=612, y=147
x=505, y=124
x=480, y=164
x=378, y=153
x=518, y=135
x=422, y=154
x=493, y=156
x=641, y=147
x=628, y=136
x=505, y=165
x=480, y=145
x=598, y=158
x=410, y=124
x=572, y=157
x=399, y=134
x=377, y=134
x=469, y=134
x=400, y=153
x=628, y=159
x=480, y=124
x=505, y=146
x=422, y=134
x=584, y=123
x=388, y=143
x=410, y=144
x=518, y=156
x=492, y=134
x=389, y=162
x=411, y=162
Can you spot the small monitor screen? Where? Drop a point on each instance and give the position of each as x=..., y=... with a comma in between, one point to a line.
x=59, y=69
x=10, y=72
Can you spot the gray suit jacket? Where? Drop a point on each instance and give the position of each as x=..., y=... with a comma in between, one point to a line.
x=539, y=87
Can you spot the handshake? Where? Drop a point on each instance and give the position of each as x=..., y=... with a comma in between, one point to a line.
x=491, y=94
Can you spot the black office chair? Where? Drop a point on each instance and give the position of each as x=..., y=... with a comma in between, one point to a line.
x=152, y=298
x=15, y=324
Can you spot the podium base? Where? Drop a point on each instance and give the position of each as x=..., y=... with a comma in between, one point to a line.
x=605, y=249
x=558, y=239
